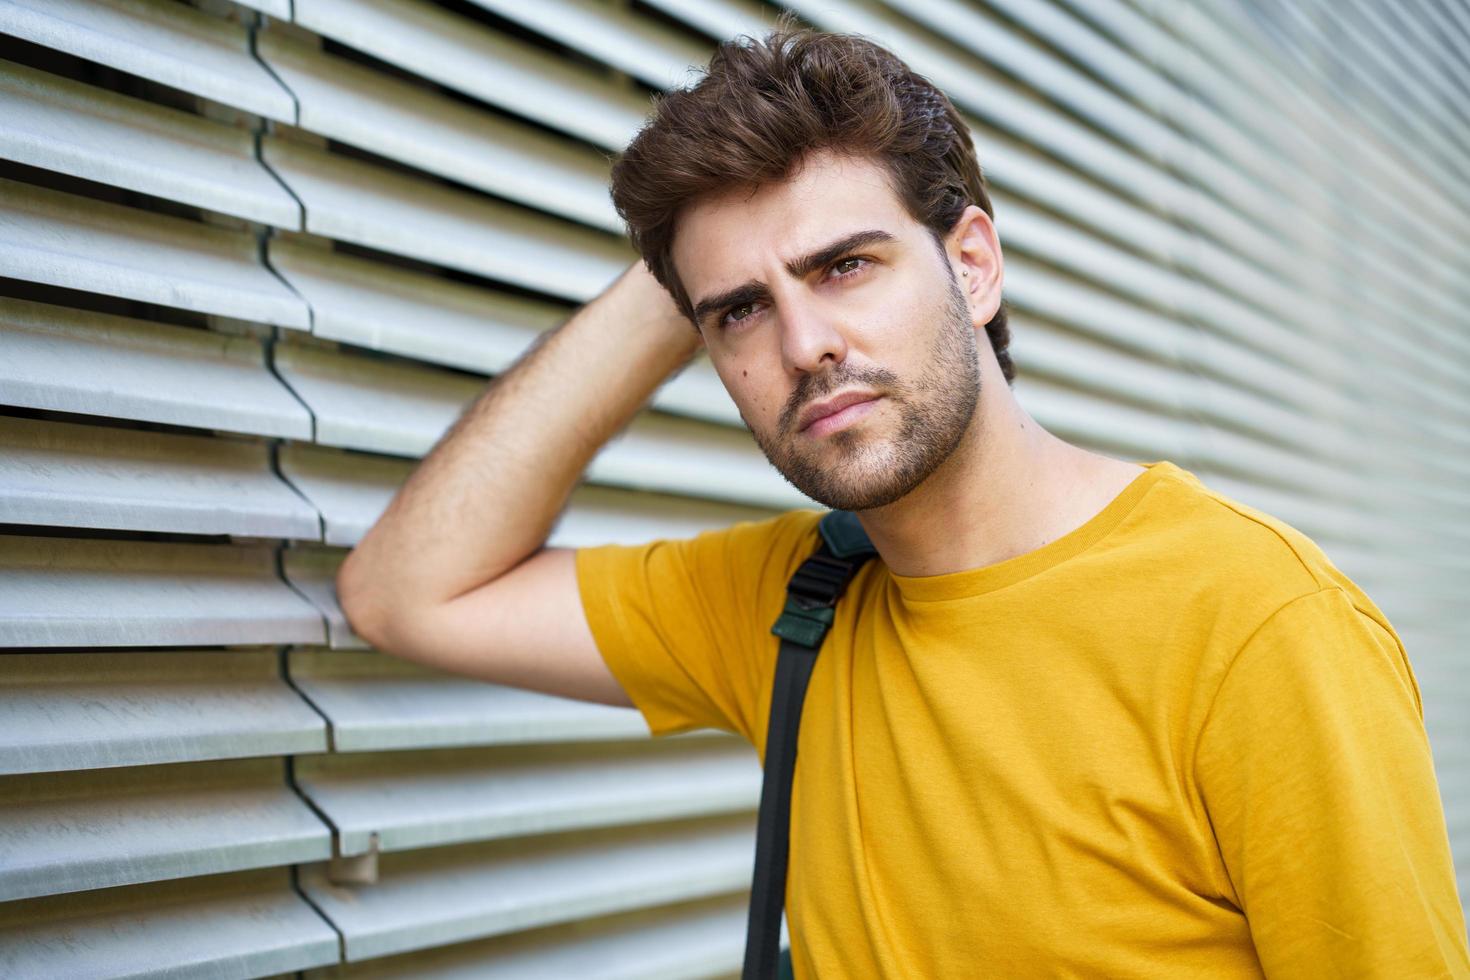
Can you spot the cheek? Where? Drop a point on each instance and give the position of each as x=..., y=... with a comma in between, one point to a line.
x=755, y=393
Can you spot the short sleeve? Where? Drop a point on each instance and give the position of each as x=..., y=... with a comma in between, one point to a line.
x=1316, y=775
x=684, y=625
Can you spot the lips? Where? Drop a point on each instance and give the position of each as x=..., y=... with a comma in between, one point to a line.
x=831, y=406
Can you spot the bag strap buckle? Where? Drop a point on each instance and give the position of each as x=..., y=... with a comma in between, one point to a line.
x=814, y=590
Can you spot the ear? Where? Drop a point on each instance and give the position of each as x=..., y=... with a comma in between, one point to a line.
x=974, y=254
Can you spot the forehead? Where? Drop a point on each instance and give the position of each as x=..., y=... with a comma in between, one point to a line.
x=738, y=235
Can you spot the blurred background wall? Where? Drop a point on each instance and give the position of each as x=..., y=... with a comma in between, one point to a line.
x=254, y=258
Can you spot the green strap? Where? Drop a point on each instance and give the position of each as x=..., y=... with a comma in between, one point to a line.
x=813, y=591
x=802, y=623
x=808, y=612
x=845, y=536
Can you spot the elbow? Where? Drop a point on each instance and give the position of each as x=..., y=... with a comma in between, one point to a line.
x=364, y=614
x=378, y=608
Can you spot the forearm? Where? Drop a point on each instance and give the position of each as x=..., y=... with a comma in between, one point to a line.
x=485, y=498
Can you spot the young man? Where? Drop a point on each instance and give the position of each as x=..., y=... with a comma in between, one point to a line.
x=1085, y=717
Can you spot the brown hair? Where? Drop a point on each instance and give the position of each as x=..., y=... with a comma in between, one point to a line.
x=763, y=104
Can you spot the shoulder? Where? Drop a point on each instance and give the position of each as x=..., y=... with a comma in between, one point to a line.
x=1266, y=586
x=745, y=552
x=1239, y=552
x=756, y=549
x=792, y=529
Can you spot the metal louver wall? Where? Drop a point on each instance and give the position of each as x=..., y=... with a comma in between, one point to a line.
x=254, y=258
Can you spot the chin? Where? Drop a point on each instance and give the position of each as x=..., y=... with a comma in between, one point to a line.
x=863, y=480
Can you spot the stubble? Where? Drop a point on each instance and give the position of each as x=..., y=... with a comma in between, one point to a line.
x=860, y=470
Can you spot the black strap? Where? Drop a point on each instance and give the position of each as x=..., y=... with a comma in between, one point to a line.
x=811, y=598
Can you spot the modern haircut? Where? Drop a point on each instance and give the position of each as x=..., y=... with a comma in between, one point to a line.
x=763, y=104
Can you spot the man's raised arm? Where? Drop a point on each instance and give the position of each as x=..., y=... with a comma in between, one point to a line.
x=455, y=573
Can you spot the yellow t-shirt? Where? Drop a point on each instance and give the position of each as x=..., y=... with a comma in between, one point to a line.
x=1175, y=742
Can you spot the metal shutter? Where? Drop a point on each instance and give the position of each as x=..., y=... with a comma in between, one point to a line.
x=231, y=234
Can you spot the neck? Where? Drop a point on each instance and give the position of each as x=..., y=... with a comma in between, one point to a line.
x=1009, y=488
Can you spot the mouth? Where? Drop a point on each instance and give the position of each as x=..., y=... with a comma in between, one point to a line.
x=837, y=412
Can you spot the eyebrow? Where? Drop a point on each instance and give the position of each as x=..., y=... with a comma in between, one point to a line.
x=799, y=268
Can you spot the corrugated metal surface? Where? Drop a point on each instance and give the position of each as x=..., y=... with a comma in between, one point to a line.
x=79, y=243
x=242, y=925
x=694, y=939
x=72, y=128
x=80, y=710
x=146, y=372
x=194, y=51
x=88, y=476
x=434, y=896
x=374, y=702
x=254, y=258
x=65, y=832
x=395, y=801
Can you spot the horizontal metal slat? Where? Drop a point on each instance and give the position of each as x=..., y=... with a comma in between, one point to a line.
x=313, y=573
x=1263, y=462
x=167, y=42
x=1222, y=279
x=1432, y=28
x=605, y=515
x=389, y=308
x=63, y=592
x=977, y=89
x=134, y=369
x=351, y=490
x=965, y=81
x=1287, y=156
x=75, y=242
x=698, y=393
x=74, y=710
x=1312, y=140
x=1362, y=62
x=1160, y=336
x=371, y=304
x=1162, y=286
x=1110, y=427
x=1150, y=136
x=720, y=19
x=246, y=924
x=1156, y=415
x=89, y=476
x=67, y=832
x=1273, y=81
x=1015, y=171
x=276, y=8
x=398, y=801
x=1099, y=369
x=450, y=894
x=1227, y=291
x=354, y=104
x=1244, y=421
x=665, y=454
x=705, y=938
x=373, y=701
x=362, y=403
x=58, y=124
x=403, y=409
x=358, y=202
x=619, y=38
x=457, y=52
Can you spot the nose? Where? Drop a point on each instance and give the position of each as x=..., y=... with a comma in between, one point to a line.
x=812, y=338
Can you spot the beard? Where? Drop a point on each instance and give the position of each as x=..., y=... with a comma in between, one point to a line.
x=871, y=470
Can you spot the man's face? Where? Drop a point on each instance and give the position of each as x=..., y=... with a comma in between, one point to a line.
x=837, y=325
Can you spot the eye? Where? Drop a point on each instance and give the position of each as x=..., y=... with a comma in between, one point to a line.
x=848, y=266
x=737, y=313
